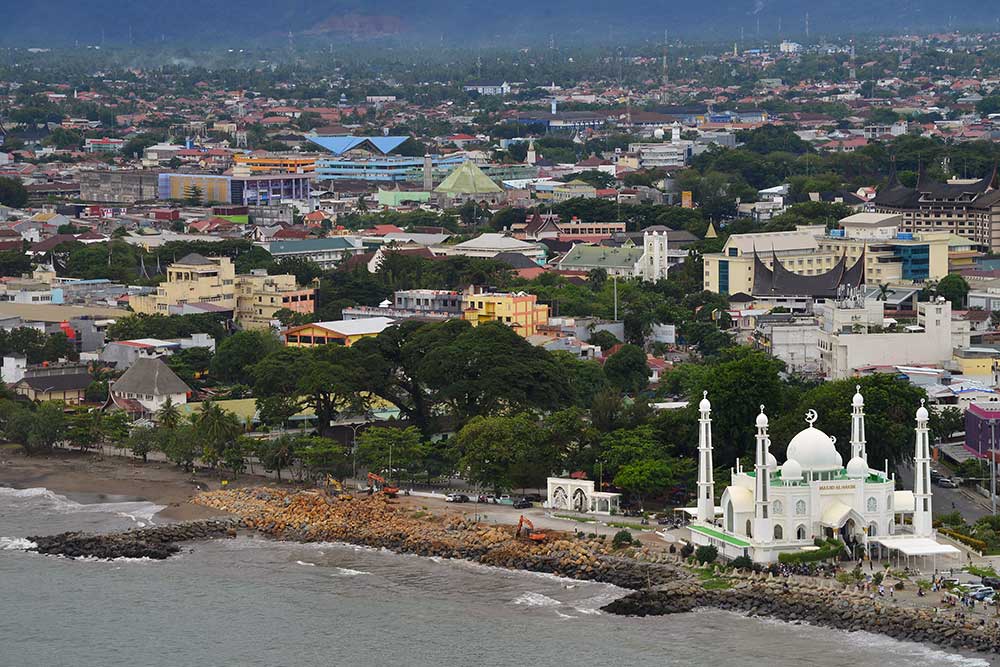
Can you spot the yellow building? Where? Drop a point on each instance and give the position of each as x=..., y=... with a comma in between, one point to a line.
x=259, y=296
x=341, y=332
x=891, y=256
x=254, y=298
x=213, y=187
x=193, y=279
x=573, y=190
x=248, y=165
x=518, y=310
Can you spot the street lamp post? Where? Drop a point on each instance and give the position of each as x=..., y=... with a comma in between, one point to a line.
x=993, y=466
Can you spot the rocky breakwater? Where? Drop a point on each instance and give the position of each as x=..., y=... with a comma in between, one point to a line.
x=158, y=542
x=313, y=516
x=829, y=606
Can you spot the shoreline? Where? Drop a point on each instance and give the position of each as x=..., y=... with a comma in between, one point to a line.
x=659, y=584
x=69, y=473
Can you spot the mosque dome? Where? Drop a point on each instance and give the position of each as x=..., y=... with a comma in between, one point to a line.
x=857, y=468
x=761, y=418
x=791, y=471
x=858, y=401
x=814, y=451
x=922, y=411
x=772, y=463
x=705, y=405
x=658, y=133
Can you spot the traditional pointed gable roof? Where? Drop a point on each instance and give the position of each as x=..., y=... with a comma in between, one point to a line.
x=467, y=179
x=149, y=376
x=779, y=281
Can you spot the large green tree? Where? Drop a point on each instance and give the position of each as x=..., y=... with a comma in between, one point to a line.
x=236, y=355
x=627, y=370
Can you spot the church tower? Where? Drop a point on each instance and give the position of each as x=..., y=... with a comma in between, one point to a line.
x=922, y=476
x=858, y=426
x=761, y=509
x=706, y=483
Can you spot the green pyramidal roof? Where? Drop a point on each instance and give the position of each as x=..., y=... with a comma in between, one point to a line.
x=468, y=179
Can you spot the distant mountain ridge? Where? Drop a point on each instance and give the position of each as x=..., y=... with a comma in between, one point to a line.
x=61, y=22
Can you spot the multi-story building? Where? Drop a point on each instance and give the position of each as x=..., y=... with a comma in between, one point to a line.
x=327, y=252
x=103, y=145
x=518, y=310
x=889, y=254
x=253, y=298
x=260, y=296
x=253, y=190
x=193, y=279
x=119, y=187
x=424, y=304
x=967, y=207
x=340, y=332
x=489, y=246
x=249, y=165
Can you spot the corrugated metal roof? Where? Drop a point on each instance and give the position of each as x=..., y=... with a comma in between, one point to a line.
x=340, y=145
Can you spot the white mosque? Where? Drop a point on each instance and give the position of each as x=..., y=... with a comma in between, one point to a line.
x=774, y=509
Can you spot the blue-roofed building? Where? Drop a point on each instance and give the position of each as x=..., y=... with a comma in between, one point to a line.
x=371, y=159
x=349, y=146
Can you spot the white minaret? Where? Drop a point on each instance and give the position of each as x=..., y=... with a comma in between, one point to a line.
x=761, y=509
x=531, y=157
x=706, y=482
x=858, y=425
x=922, y=476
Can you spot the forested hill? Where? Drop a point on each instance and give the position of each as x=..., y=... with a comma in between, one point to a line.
x=65, y=22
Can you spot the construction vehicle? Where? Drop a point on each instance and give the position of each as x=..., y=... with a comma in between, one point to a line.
x=378, y=483
x=337, y=488
x=529, y=530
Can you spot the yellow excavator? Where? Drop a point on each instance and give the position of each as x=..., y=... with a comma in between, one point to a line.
x=338, y=488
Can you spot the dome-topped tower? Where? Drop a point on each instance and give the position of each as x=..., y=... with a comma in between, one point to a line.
x=813, y=449
x=791, y=471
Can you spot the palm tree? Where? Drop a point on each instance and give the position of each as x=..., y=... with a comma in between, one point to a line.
x=218, y=429
x=169, y=416
x=883, y=292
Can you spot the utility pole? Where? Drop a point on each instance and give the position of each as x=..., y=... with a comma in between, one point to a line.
x=614, y=279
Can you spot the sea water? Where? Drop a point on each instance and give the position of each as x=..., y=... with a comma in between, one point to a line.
x=252, y=601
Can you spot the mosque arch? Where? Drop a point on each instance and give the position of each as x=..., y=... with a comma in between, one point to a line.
x=873, y=529
x=800, y=507
x=580, y=503
x=729, y=517
x=778, y=532
x=749, y=531
x=872, y=504
x=800, y=532
x=560, y=500
x=778, y=507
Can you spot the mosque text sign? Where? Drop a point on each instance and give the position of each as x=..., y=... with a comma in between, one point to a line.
x=837, y=487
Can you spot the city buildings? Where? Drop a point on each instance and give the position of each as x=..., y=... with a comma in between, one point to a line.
x=145, y=387
x=967, y=207
x=327, y=252
x=520, y=311
x=253, y=298
x=119, y=186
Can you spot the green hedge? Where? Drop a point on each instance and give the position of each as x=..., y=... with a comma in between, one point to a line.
x=827, y=550
x=967, y=540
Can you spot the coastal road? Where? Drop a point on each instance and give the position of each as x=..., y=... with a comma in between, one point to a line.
x=971, y=505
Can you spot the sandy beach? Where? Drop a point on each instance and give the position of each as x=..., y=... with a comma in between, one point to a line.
x=71, y=472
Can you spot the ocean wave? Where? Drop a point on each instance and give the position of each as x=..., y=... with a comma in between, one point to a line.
x=302, y=562
x=348, y=572
x=120, y=559
x=532, y=599
x=139, y=512
x=16, y=544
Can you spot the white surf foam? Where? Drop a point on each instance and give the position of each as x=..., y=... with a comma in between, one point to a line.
x=140, y=512
x=302, y=562
x=531, y=599
x=348, y=572
x=16, y=544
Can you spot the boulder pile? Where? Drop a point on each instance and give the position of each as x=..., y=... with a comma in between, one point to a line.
x=158, y=542
x=829, y=607
x=373, y=521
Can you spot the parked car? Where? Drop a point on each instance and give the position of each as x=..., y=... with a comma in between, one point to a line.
x=533, y=497
x=947, y=483
x=522, y=504
x=992, y=582
x=984, y=593
x=456, y=498
x=935, y=475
